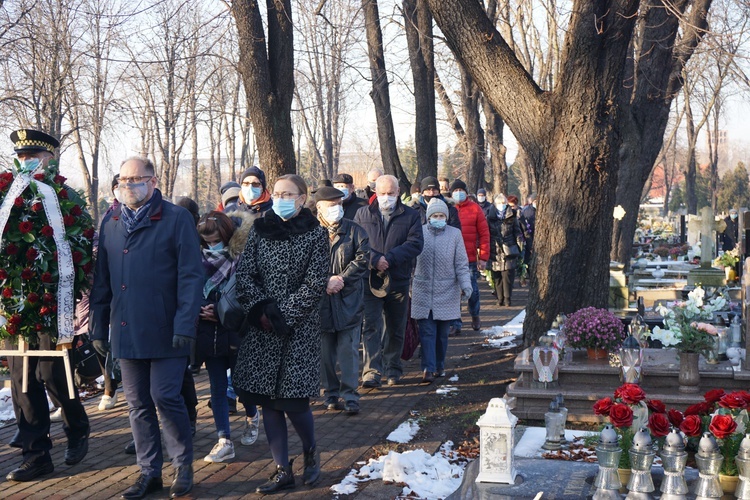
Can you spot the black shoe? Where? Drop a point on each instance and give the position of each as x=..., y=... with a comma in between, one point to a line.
x=183, y=481
x=370, y=383
x=30, y=470
x=77, y=450
x=331, y=403
x=476, y=323
x=281, y=479
x=311, y=473
x=195, y=370
x=351, y=407
x=143, y=486
x=130, y=447
x=428, y=377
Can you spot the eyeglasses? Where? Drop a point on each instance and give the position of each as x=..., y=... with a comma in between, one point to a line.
x=134, y=180
x=253, y=184
x=286, y=196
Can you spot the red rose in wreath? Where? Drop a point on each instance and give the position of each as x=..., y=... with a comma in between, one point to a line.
x=691, y=426
x=713, y=395
x=733, y=401
x=675, y=417
x=722, y=426
x=658, y=424
x=603, y=406
x=630, y=393
x=25, y=226
x=621, y=415
x=656, y=406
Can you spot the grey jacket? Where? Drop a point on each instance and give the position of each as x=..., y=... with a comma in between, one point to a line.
x=350, y=255
x=441, y=274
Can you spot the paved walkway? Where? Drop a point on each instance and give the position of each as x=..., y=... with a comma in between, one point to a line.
x=343, y=440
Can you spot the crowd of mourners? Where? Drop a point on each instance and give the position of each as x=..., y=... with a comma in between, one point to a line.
x=317, y=273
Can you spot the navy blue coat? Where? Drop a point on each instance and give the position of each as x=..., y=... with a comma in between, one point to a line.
x=401, y=242
x=148, y=284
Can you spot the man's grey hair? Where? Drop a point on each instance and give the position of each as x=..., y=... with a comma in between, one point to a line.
x=150, y=169
x=387, y=178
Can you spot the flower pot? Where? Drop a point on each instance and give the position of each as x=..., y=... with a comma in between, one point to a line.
x=596, y=353
x=730, y=274
x=624, y=478
x=689, y=377
x=728, y=484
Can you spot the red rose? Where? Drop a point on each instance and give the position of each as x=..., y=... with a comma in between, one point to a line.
x=3, y=184
x=713, y=395
x=18, y=202
x=656, y=406
x=698, y=409
x=33, y=298
x=6, y=176
x=31, y=254
x=11, y=329
x=675, y=417
x=691, y=426
x=25, y=226
x=3, y=274
x=63, y=194
x=69, y=220
x=733, y=400
x=77, y=257
x=89, y=233
x=59, y=179
x=630, y=393
x=603, y=406
x=37, y=207
x=15, y=319
x=38, y=327
x=11, y=249
x=7, y=293
x=45, y=311
x=658, y=424
x=48, y=231
x=745, y=395
x=27, y=274
x=76, y=210
x=46, y=278
x=88, y=267
x=722, y=426
x=39, y=177
x=621, y=415
x=48, y=298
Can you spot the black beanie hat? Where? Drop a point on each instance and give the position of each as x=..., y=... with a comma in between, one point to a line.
x=458, y=184
x=257, y=173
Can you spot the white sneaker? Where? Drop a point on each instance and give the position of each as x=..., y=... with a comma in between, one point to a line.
x=107, y=402
x=250, y=434
x=56, y=416
x=221, y=452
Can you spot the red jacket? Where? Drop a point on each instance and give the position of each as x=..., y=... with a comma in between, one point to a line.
x=474, y=229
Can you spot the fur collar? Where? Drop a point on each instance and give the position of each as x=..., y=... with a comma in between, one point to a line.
x=238, y=240
x=273, y=227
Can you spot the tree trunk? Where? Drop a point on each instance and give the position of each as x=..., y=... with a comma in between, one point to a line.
x=268, y=78
x=381, y=96
x=418, y=26
x=497, y=149
x=691, y=197
x=470, y=95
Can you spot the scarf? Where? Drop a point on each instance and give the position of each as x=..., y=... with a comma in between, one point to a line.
x=131, y=218
x=332, y=228
x=218, y=266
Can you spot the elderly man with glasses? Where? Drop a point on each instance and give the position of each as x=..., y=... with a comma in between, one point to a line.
x=145, y=301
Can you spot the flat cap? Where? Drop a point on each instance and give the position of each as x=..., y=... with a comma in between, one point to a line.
x=327, y=193
x=343, y=178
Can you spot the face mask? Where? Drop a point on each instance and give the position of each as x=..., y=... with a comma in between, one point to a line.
x=733, y=216
x=29, y=164
x=459, y=196
x=500, y=206
x=217, y=247
x=438, y=223
x=387, y=202
x=481, y=199
x=132, y=194
x=427, y=199
x=285, y=208
x=372, y=185
x=533, y=204
x=345, y=191
x=251, y=193
x=334, y=214
x=118, y=197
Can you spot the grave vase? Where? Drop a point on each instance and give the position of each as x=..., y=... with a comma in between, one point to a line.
x=689, y=377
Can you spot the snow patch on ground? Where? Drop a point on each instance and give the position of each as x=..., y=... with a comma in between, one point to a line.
x=445, y=390
x=505, y=337
x=7, y=415
x=426, y=476
x=530, y=445
x=454, y=378
x=404, y=432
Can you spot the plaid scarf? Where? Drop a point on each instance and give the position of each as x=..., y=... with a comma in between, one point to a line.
x=218, y=267
x=131, y=218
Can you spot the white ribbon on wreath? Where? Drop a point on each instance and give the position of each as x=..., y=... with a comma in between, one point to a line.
x=66, y=271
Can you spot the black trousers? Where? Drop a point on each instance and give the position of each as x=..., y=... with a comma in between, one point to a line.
x=32, y=410
x=187, y=391
x=504, y=285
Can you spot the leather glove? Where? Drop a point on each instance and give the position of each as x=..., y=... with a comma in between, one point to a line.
x=180, y=341
x=276, y=317
x=101, y=347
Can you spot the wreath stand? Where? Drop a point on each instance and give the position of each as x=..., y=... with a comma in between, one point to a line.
x=60, y=352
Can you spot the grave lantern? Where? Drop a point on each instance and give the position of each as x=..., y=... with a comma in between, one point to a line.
x=743, y=466
x=631, y=360
x=608, y=451
x=673, y=459
x=564, y=410
x=709, y=461
x=497, y=443
x=555, y=425
x=641, y=458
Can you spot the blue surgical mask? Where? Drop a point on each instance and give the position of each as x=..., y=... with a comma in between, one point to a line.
x=251, y=193
x=733, y=216
x=216, y=247
x=285, y=208
x=501, y=207
x=459, y=196
x=345, y=191
x=28, y=164
x=438, y=223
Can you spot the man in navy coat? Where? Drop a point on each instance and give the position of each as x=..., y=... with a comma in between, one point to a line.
x=145, y=301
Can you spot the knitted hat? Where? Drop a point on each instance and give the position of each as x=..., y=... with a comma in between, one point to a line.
x=435, y=206
x=257, y=173
x=429, y=182
x=229, y=194
x=227, y=185
x=458, y=184
x=482, y=191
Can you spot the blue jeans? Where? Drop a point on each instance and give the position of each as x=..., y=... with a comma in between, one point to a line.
x=433, y=338
x=217, y=375
x=474, y=299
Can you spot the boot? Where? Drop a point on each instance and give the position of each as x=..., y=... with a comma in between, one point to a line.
x=281, y=479
x=312, y=467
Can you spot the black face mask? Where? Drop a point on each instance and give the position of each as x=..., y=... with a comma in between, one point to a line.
x=427, y=198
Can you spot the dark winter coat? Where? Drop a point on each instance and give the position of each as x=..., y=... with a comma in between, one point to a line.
x=284, y=264
x=350, y=257
x=400, y=243
x=351, y=205
x=529, y=216
x=730, y=234
x=148, y=283
x=421, y=207
x=504, y=229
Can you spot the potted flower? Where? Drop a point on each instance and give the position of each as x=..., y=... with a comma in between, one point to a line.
x=728, y=261
x=661, y=251
x=596, y=330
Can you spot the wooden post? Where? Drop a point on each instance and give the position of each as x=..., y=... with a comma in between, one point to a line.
x=25, y=353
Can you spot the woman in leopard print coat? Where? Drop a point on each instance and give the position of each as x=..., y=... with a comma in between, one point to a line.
x=280, y=280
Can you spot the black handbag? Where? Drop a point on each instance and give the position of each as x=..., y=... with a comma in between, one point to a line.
x=511, y=251
x=85, y=360
x=231, y=314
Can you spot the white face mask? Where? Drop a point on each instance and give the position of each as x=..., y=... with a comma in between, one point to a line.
x=481, y=198
x=133, y=194
x=118, y=197
x=334, y=214
x=387, y=202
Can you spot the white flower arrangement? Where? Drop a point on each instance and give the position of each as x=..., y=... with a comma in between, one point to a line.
x=680, y=315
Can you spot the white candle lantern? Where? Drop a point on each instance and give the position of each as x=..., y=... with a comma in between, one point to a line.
x=497, y=442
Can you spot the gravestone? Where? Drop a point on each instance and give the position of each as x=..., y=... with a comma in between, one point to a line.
x=706, y=275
